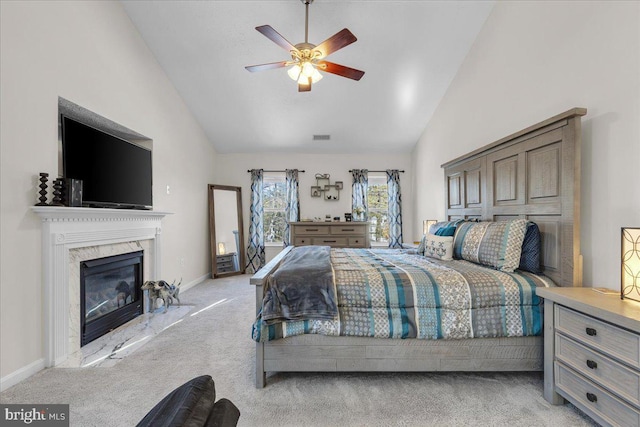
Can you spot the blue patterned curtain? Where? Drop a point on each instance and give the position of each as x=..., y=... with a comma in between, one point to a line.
x=395, y=212
x=255, y=251
x=292, y=208
x=359, y=189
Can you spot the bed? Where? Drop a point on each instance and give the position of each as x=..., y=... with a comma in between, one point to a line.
x=532, y=175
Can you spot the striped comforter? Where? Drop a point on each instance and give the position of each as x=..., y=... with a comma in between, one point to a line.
x=389, y=293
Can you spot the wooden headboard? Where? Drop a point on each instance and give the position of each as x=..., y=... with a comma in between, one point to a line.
x=532, y=174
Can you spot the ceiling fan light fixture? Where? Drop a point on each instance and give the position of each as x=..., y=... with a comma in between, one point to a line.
x=301, y=73
x=316, y=76
x=294, y=72
x=307, y=58
x=308, y=69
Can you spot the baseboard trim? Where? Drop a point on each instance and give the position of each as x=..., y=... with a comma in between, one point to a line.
x=21, y=374
x=191, y=284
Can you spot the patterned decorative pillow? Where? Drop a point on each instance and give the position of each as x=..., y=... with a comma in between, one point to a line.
x=440, y=247
x=494, y=244
x=530, y=257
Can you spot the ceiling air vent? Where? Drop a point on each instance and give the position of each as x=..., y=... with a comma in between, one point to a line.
x=321, y=137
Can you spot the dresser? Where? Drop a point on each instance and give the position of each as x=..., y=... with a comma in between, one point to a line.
x=334, y=234
x=592, y=353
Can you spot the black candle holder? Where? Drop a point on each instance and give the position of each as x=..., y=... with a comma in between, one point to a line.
x=58, y=184
x=43, y=189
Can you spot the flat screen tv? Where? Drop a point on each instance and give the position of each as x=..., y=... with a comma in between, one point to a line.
x=115, y=173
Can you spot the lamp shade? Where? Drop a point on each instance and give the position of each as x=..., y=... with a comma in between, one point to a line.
x=630, y=270
x=294, y=72
x=222, y=249
x=426, y=224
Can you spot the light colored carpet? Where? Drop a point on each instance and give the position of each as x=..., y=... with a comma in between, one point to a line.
x=215, y=339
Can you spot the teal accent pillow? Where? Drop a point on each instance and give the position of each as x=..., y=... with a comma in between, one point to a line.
x=444, y=224
x=446, y=231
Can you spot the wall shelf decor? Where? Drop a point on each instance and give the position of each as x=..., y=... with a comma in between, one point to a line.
x=325, y=189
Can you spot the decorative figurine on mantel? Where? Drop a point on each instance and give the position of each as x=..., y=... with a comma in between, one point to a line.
x=43, y=189
x=57, y=192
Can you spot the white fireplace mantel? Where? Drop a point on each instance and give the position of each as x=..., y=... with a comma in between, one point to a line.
x=65, y=229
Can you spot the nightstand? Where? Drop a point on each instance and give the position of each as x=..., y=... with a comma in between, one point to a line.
x=225, y=263
x=592, y=353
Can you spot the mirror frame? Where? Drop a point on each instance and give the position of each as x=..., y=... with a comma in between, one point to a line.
x=212, y=231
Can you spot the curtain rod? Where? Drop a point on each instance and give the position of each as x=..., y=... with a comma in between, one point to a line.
x=274, y=171
x=350, y=170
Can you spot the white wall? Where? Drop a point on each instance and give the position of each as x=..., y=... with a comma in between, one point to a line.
x=91, y=54
x=531, y=61
x=231, y=169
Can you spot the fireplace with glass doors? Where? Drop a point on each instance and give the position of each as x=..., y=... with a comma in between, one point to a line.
x=110, y=293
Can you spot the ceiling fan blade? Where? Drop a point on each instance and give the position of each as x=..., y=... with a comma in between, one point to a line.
x=276, y=37
x=305, y=88
x=269, y=66
x=340, y=70
x=337, y=41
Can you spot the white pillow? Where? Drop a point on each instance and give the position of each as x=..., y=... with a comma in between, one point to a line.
x=440, y=247
x=420, y=249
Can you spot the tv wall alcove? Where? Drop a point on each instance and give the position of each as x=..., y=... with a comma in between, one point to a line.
x=114, y=164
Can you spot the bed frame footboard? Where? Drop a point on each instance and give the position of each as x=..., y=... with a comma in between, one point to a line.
x=259, y=280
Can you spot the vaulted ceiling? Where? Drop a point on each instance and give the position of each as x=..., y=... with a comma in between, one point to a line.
x=409, y=50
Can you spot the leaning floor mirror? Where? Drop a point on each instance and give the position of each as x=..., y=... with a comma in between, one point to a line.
x=225, y=228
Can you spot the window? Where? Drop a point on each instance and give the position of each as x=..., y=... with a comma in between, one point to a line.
x=378, y=202
x=274, y=202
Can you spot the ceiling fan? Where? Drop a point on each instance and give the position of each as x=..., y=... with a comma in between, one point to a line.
x=307, y=60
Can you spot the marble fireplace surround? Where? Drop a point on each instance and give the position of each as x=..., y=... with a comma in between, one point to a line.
x=71, y=235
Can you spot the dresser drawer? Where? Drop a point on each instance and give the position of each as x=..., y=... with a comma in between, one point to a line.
x=611, y=340
x=310, y=230
x=599, y=368
x=357, y=242
x=302, y=241
x=335, y=242
x=224, y=263
x=593, y=398
x=343, y=230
